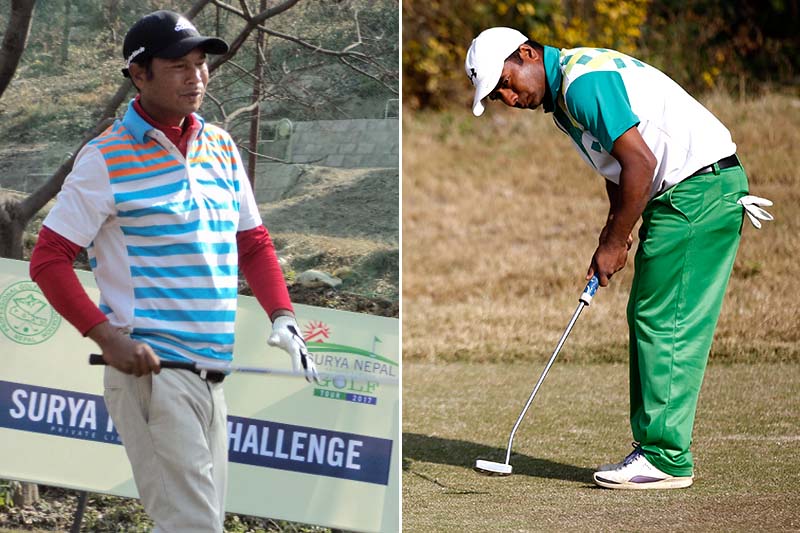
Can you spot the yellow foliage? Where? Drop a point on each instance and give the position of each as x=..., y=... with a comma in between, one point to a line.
x=437, y=34
x=576, y=33
x=526, y=8
x=619, y=23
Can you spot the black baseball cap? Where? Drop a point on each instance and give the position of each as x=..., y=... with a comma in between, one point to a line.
x=167, y=35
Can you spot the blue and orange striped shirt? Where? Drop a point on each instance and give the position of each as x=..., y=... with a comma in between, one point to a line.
x=160, y=230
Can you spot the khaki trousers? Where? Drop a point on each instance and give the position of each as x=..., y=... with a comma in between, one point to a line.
x=173, y=426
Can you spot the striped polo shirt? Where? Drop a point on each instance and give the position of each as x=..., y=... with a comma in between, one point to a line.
x=160, y=232
x=596, y=95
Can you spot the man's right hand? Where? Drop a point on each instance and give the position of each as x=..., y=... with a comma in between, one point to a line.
x=124, y=353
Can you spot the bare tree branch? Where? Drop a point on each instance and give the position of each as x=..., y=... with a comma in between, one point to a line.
x=252, y=23
x=264, y=156
x=218, y=104
x=39, y=198
x=231, y=9
x=16, y=35
x=241, y=69
x=313, y=47
x=241, y=110
x=341, y=55
x=347, y=52
x=196, y=8
x=277, y=10
x=367, y=74
x=277, y=159
x=246, y=13
x=33, y=203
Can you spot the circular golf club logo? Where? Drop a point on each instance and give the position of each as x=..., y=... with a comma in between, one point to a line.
x=25, y=315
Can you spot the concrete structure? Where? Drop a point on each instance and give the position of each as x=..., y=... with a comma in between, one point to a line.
x=354, y=143
x=347, y=143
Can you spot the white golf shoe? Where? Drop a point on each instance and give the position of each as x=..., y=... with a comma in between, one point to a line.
x=613, y=466
x=637, y=473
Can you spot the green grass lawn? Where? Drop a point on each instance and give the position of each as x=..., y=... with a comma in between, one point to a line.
x=746, y=447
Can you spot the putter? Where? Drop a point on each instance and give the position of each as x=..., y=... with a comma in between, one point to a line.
x=504, y=469
x=338, y=379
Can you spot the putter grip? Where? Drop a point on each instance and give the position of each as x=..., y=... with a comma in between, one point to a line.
x=589, y=291
x=97, y=359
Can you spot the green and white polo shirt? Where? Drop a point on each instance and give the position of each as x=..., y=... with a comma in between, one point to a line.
x=596, y=95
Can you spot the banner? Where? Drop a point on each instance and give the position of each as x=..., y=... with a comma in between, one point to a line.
x=325, y=454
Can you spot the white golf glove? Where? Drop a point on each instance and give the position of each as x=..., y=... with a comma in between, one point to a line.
x=286, y=336
x=752, y=207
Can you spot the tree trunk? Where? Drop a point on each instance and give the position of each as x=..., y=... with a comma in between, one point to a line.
x=255, y=119
x=65, y=32
x=16, y=35
x=11, y=230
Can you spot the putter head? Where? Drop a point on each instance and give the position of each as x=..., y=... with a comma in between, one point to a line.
x=490, y=468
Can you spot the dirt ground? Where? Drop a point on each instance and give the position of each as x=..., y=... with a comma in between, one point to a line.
x=344, y=222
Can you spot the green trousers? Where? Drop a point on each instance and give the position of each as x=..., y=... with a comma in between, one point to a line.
x=687, y=243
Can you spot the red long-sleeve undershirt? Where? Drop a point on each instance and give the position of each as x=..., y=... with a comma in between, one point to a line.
x=51, y=269
x=259, y=264
x=54, y=254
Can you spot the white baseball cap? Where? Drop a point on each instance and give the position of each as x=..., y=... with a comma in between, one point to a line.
x=485, y=59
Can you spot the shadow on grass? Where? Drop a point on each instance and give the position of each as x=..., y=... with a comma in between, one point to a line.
x=463, y=453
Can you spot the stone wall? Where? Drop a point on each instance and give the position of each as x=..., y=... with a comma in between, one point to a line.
x=355, y=143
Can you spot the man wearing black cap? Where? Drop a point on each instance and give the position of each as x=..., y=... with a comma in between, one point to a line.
x=168, y=43
x=161, y=202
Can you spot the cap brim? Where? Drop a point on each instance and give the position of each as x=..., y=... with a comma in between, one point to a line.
x=477, y=105
x=484, y=88
x=210, y=45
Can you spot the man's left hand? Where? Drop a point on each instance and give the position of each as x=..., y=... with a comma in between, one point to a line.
x=286, y=336
x=609, y=258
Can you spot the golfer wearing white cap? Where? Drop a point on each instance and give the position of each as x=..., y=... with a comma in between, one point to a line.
x=665, y=159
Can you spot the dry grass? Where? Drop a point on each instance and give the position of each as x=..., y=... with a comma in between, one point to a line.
x=500, y=220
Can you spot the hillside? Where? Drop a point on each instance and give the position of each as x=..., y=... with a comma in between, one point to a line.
x=343, y=221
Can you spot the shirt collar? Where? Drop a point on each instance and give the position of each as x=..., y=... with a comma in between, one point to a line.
x=552, y=75
x=139, y=127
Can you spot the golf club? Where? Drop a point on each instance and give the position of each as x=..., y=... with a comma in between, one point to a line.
x=504, y=469
x=338, y=379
